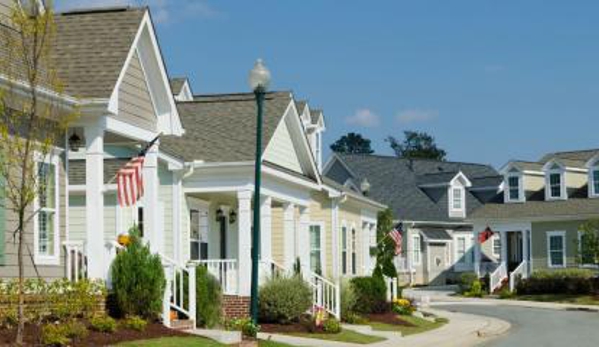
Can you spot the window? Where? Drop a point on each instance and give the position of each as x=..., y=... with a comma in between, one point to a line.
x=46, y=227
x=140, y=220
x=354, y=258
x=315, y=248
x=344, y=250
x=198, y=236
x=556, y=249
x=372, y=232
x=461, y=249
x=513, y=183
x=417, y=249
x=555, y=185
x=457, y=202
x=496, y=246
x=596, y=181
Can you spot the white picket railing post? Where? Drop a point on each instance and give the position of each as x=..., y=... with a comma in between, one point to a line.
x=192, y=292
x=166, y=301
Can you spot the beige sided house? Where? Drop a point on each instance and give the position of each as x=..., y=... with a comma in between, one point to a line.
x=324, y=227
x=537, y=215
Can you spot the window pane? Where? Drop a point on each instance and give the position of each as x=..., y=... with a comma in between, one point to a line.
x=457, y=198
x=195, y=250
x=555, y=185
x=556, y=243
x=557, y=258
x=596, y=181
x=315, y=236
x=46, y=233
x=514, y=188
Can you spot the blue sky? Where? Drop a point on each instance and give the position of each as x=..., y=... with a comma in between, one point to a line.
x=491, y=80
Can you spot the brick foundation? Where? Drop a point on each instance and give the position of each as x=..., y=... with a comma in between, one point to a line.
x=236, y=306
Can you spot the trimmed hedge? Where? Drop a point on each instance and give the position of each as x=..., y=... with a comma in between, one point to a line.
x=563, y=281
x=371, y=294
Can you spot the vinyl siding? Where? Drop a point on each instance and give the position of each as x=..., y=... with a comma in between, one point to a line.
x=166, y=198
x=10, y=267
x=5, y=11
x=278, y=235
x=350, y=215
x=320, y=211
x=539, y=242
x=135, y=103
x=576, y=179
x=281, y=150
x=533, y=183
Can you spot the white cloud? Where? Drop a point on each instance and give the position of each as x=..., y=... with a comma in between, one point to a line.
x=364, y=118
x=163, y=11
x=416, y=115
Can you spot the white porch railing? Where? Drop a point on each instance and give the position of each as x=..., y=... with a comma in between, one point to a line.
x=519, y=273
x=225, y=271
x=76, y=260
x=391, y=283
x=497, y=277
x=325, y=294
x=180, y=291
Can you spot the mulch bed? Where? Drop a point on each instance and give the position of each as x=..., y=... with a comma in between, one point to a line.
x=284, y=329
x=389, y=318
x=32, y=336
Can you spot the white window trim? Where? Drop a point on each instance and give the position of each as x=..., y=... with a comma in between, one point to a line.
x=562, y=182
x=344, y=247
x=562, y=234
x=520, y=178
x=40, y=259
x=456, y=253
x=496, y=238
x=353, y=247
x=322, y=244
x=416, y=240
x=457, y=212
x=586, y=266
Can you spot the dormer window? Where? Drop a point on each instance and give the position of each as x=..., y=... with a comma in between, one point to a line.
x=554, y=181
x=555, y=185
x=595, y=183
x=458, y=199
x=513, y=183
x=457, y=203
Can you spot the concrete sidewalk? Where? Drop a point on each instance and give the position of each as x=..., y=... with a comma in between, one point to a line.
x=462, y=330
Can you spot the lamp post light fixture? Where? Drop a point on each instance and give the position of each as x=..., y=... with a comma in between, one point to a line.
x=259, y=80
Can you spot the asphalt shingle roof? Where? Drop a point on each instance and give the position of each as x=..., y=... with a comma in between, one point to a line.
x=177, y=84
x=436, y=234
x=222, y=128
x=315, y=115
x=91, y=48
x=394, y=182
x=582, y=156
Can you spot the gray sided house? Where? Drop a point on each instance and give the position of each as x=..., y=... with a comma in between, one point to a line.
x=432, y=199
x=538, y=214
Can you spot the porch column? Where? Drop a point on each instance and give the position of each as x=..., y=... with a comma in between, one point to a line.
x=266, y=228
x=526, y=248
x=176, y=211
x=477, y=251
x=289, y=234
x=303, y=240
x=504, y=247
x=94, y=204
x=335, y=238
x=244, y=242
x=152, y=229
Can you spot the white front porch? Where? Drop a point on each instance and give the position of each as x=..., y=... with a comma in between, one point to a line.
x=513, y=261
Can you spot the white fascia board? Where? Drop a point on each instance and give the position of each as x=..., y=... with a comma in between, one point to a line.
x=416, y=222
x=464, y=179
x=290, y=178
x=128, y=130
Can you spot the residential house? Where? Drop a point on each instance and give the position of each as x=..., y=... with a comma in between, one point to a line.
x=432, y=200
x=537, y=215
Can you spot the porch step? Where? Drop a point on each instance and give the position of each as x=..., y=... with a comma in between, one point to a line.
x=183, y=324
x=504, y=284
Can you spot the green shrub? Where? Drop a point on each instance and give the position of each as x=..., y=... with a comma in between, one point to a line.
x=331, y=326
x=348, y=301
x=75, y=330
x=103, y=324
x=134, y=323
x=208, y=298
x=249, y=329
x=54, y=335
x=505, y=293
x=476, y=290
x=371, y=294
x=466, y=281
x=138, y=280
x=562, y=281
x=284, y=299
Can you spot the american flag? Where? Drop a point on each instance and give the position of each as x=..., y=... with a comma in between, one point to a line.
x=130, y=180
x=395, y=235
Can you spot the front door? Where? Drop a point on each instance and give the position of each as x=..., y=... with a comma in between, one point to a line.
x=437, y=263
x=514, y=251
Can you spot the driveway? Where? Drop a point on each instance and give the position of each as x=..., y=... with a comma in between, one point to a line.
x=536, y=326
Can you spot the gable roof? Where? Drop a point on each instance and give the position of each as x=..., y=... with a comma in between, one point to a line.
x=394, y=182
x=222, y=127
x=177, y=84
x=581, y=155
x=91, y=48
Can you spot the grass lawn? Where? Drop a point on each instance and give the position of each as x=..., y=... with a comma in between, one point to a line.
x=345, y=335
x=189, y=341
x=421, y=325
x=561, y=298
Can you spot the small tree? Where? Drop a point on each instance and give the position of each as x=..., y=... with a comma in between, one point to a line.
x=416, y=145
x=589, y=243
x=352, y=143
x=138, y=279
x=33, y=122
x=385, y=252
